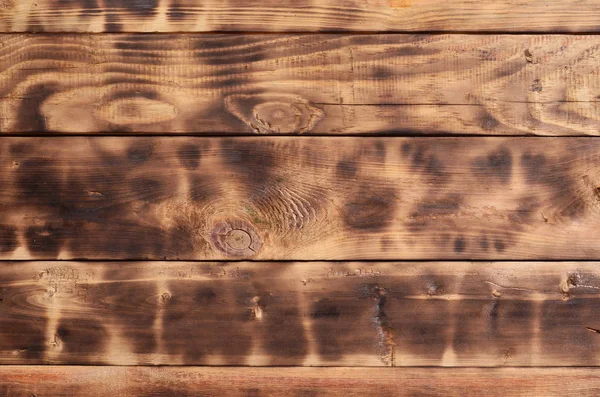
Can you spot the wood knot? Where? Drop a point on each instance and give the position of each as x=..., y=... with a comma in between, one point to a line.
x=164, y=298
x=136, y=110
x=274, y=114
x=235, y=238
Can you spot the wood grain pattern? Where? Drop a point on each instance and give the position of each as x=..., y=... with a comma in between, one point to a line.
x=57, y=381
x=299, y=15
x=287, y=198
x=300, y=84
x=307, y=313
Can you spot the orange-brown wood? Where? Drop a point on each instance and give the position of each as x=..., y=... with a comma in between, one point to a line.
x=298, y=15
x=299, y=84
x=287, y=382
x=288, y=198
x=306, y=313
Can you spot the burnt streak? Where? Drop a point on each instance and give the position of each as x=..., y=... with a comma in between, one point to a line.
x=30, y=117
x=140, y=153
x=81, y=337
x=253, y=161
x=149, y=189
x=45, y=241
x=39, y=182
x=346, y=169
x=334, y=338
x=497, y=164
x=195, y=306
x=8, y=238
x=189, y=156
x=143, y=8
x=88, y=7
x=557, y=176
x=428, y=212
x=372, y=209
x=460, y=244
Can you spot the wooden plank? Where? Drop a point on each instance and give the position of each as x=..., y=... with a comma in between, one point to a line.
x=293, y=84
x=58, y=381
x=298, y=15
x=307, y=313
x=304, y=198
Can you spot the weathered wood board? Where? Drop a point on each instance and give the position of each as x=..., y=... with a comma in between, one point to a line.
x=298, y=15
x=306, y=313
x=61, y=381
x=299, y=198
x=300, y=84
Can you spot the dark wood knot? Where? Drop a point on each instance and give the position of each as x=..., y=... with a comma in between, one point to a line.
x=235, y=237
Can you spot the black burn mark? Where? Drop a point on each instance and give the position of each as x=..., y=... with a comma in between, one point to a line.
x=223, y=83
x=132, y=306
x=136, y=44
x=29, y=114
x=45, y=241
x=205, y=295
x=20, y=148
x=112, y=23
x=380, y=150
x=146, y=93
x=524, y=212
x=125, y=240
x=143, y=8
x=180, y=243
x=325, y=308
x=253, y=161
x=81, y=336
x=177, y=13
x=346, y=169
x=232, y=57
x=25, y=336
x=88, y=8
x=39, y=182
x=534, y=166
x=412, y=51
x=189, y=156
x=382, y=73
x=484, y=244
x=371, y=209
x=199, y=321
x=460, y=244
x=139, y=153
x=280, y=326
x=424, y=159
x=556, y=176
x=497, y=164
x=89, y=213
x=433, y=211
x=8, y=238
x=499, y=245
x=128, y=80
x=201, y=188
x=337, y=334
x=149, y=189
x=489, y=122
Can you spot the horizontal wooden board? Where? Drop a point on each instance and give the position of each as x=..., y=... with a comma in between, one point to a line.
x=55, y=381
x=300, y=84
x=299, y=198
x=298, y=15
x=306, y=313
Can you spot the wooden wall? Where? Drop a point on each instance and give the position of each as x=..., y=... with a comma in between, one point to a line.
x=272, y=198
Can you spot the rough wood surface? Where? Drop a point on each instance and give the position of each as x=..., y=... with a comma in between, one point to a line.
x=287, y=382
x=309, y=198
x=307, y=313
x=294, y=84
x=298, y=15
